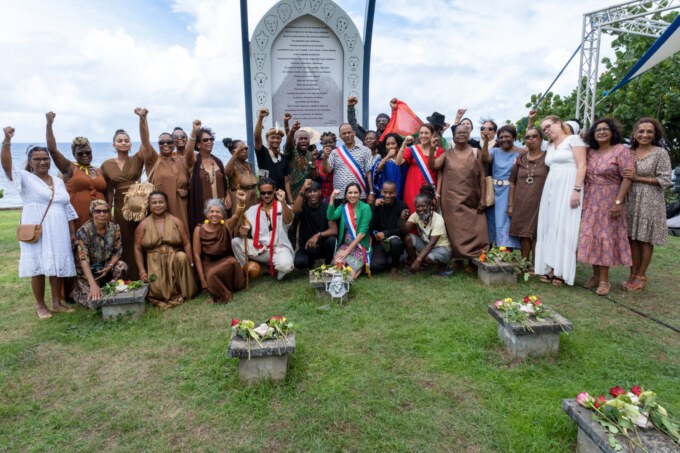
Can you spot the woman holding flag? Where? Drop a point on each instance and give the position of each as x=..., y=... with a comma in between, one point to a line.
x=354, y=218
x=415, y=156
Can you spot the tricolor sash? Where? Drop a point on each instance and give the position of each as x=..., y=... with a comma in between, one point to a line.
x=351, y=224
x=422, y=164
x=353, y=166
x=256, y=235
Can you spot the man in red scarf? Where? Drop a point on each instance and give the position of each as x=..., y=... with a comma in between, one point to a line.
x=266, y=230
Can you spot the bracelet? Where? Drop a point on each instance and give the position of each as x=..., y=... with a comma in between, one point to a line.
x=6, y=144
x=241, y=207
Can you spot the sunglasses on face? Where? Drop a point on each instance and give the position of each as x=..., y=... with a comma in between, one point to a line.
x=206, y=140
x=100, y=211
x=268, y=192
x=483, y=128
x=84, y=153
x=181, y=136
x=382, y=121
x=530, y=137
x=165, y=142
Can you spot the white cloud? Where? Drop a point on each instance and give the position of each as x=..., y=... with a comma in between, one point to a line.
x=93, y=65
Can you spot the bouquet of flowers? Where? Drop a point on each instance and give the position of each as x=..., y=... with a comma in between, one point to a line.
x=120, y=286
x=502, y=255
x=343, y=270
x=275, y=327
x=520, y=311
x=627, y=411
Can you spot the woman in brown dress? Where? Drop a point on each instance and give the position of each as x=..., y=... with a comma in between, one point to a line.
x=239, y=171
x=220, y=273
x=526, y=186
x=84, y=182
x=122, y=172
x=166, y=172
x=207, y=174
x=166, y=242
x=462, y=196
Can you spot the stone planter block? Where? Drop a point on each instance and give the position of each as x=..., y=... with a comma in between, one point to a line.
x=269, y=361
x=124, y=306
x=593, y=439
x=492, y=274
x=319, y=284
x=522, y=343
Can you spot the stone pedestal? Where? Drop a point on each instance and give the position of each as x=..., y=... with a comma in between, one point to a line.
x=123, y=306
x=493, y=274
x=266, y=362
x=593, y=439
x=521, y=342
x=319, y=285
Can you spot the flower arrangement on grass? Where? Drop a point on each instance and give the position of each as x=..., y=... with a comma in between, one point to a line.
x=627, y=411
x=501, y=256
x=276, y=327
x=520, y=311
x=343, y=270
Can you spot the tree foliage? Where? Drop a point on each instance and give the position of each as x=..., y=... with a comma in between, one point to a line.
x=656, y=93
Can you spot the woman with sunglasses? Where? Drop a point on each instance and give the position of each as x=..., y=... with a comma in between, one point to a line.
x=98, y=250
x=180, y=138
x=121, y=173
x=559, y=215
x=84, y=182
x=208, y=178
x=45, y=201
x=170, y=174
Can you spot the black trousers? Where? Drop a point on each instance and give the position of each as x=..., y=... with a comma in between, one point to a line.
x=325, y=248
x=380, y=259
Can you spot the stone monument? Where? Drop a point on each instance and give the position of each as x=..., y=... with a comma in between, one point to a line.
x=306, y=59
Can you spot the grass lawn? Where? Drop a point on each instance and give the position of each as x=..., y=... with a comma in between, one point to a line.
x=412, y=363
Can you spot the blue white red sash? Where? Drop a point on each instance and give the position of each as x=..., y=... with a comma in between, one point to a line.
x=422, y=164
x=351, y=225
x=353, y=166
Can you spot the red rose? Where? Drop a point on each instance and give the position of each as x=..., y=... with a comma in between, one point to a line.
x=599, y=401
x=234, y=321
x=537, y=302
x=616, y=391
x=526, y=299
x=274, y=317
x=636, y=390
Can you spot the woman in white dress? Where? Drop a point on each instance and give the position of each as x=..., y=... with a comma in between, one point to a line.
x=52, y=254
x=559, y=215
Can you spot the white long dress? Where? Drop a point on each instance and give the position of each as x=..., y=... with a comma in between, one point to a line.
x=558, y=223
x=52, y=254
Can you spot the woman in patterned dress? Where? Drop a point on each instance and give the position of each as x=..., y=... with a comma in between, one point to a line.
x=645, y=204
x=603, y=241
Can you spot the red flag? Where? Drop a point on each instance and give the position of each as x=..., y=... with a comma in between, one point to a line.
x=403, y=121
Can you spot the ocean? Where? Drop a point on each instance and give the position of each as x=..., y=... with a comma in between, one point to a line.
x=101, y=151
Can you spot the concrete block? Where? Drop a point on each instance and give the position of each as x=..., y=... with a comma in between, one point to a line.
x=256, y=369
x=494, y=275
x=122, y=311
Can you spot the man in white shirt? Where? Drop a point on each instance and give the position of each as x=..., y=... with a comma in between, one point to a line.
x=266, y=229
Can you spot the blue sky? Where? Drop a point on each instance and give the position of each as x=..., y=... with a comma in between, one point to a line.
x=93, y=62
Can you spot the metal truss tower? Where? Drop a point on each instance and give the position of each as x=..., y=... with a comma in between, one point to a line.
x=634, y=17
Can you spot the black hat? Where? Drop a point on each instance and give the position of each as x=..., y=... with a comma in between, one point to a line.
x=437, y=119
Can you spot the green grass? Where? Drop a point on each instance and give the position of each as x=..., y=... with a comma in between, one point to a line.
x=409, y=364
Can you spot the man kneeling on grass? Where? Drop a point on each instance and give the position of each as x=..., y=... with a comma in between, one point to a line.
x=432, y=247
x=388, y=244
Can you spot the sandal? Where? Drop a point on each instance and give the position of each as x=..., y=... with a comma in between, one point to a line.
x=470, y=269
x=603, y=289
x=545, y=278
x=557, y=281
x=444, y=273
x=625, y=285
x=637, y=287
x=594, y=281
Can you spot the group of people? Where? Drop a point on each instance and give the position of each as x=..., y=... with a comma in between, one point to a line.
x=369, y=205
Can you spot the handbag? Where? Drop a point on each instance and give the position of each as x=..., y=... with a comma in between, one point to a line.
x=30, y=233
x=136, y=201
x=488, y=180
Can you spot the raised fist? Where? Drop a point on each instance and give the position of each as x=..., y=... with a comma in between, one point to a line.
x=263, y=113
x=50, y=117
x=352, y=100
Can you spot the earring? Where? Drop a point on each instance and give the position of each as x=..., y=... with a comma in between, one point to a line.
x=206, y=221
x=221, y=222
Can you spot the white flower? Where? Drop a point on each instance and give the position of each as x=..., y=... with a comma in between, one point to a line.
x=261, y=330
x=642, y=421
x=633, y=398
x=528, y=308
x=121, y=288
